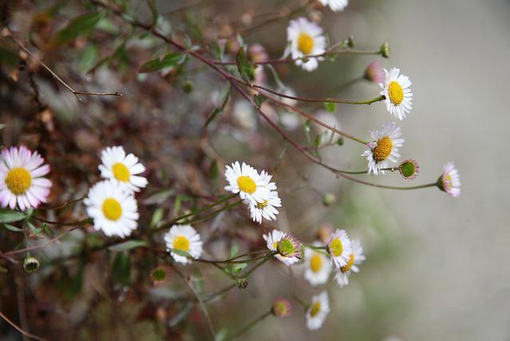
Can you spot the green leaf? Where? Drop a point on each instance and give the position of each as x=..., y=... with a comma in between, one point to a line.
x=258, y=99
x=234, y=250
x=78, y=26
x=12, y=228
x=33, y=229
x=219, y=109
x=88, y=58
x=238, y=268
x=154, y=11
x=169, y=60
x=246, y=70
x=180, y=253
x=121, y=268
x=157, y=216
x=159, y=197
x=213, y=170
x=131, y=244
x=329, y=106
x=11, y=216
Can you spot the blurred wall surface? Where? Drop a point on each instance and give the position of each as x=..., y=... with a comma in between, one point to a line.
x=457, y=272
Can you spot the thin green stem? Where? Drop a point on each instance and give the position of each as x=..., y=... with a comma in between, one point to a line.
x=249, y=325
x=266, y=258
x=320, y=100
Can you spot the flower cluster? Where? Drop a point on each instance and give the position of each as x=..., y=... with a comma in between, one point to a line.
x=256, y=190
x=111, y=202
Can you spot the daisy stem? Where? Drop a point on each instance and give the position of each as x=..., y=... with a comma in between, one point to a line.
x=249, y=325
x=268, y=256
x=315, y=247
x=320, y=100
x=205, y=208
x=210, y=215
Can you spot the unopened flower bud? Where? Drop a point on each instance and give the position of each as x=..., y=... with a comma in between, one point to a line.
x=30, y=264
x=281, y=307
x=187, y=86
x=350, y=41
x=385, y=50
x=329, y=199
x=242, y=283
x=374, y=72
x=409, y=169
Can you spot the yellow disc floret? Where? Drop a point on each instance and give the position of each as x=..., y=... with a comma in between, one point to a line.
x=316, y=263
x=383, y=149
x=396, y=93
x=120, y=172
x=246, y=184
x=18, y=180
x=349, y=264
x=315, y=309
x=181, y=243
x=336, y=247
x=112, y=209
x=305, y=43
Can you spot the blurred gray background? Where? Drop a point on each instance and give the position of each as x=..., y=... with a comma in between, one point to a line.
x=453, y=268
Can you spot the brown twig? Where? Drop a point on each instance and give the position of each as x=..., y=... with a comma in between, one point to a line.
x=15, y=326
x=7, y=33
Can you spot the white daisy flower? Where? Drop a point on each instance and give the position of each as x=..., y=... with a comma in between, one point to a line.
x=356, y=258
x=183, y=238
x=246, y=181
x=265, y=208
x=21, y=180
x=317, y=266
x=113, y=209
x=122, y=168
x=449, y=181
x=288, y=247
x=339, y=248
x=396, y=89
x=306, y=39
x=335, y=5
x=383, y=148
x=317, y=311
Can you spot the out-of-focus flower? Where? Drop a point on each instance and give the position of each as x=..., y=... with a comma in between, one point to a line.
x=317, y=311
x=335, y=5
x=183, y=238
x=317, y=266
x=306, y=39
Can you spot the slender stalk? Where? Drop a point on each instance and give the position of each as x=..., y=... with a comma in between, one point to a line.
x=19, y=329
x=320, y=100
x=249, y=325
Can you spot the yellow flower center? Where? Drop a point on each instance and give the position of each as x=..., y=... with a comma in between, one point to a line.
x=305, y=43
x=112, y=209
x=18, y=180
x=349, y=264
x=316, y=263
x=396, y=93
x=315, y=309
x=383, y=149
x=246, y=184
x=181, y=243
x=336, y=247
x=120, y=172
x=261, y=205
